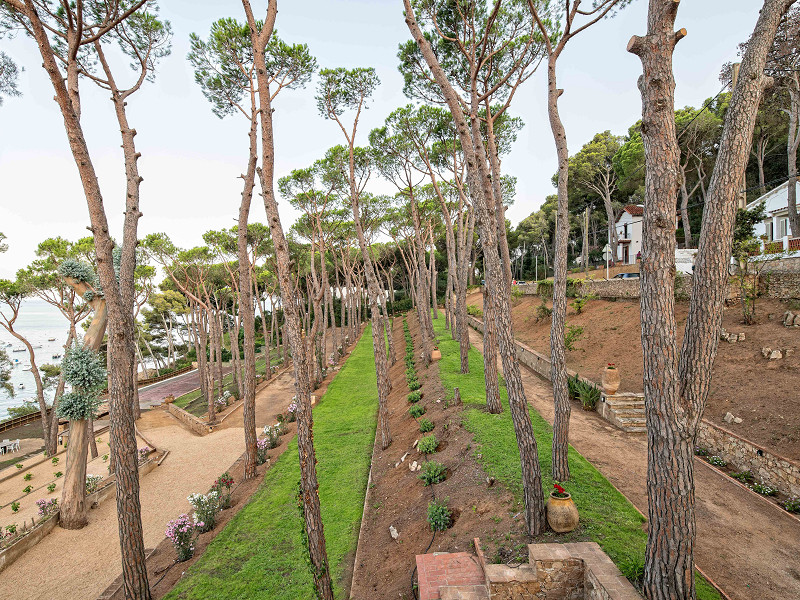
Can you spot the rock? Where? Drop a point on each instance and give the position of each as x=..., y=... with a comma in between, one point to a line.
x=415, y=443
x=403, y=459
x=788, y=352
x=413, y=466
x=733, y=338
x=775, y=355
x=741, y=337
x=490, y=481
x=419, y=467
x=788, y=318
x=797, y=320
x=393, y=532
x=737, y=420
x=728, y=418
x=765, y=351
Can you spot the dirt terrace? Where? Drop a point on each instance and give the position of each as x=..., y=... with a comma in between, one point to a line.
x=762, y=392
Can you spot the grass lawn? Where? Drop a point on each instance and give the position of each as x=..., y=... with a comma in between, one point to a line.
x=260, y=554
x=607, y=517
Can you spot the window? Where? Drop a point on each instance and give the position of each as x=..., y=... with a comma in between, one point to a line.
x=770, y=231
x=625, y=234
x=783, y=228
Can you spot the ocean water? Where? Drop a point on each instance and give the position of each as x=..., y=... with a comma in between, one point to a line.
x=39, y=322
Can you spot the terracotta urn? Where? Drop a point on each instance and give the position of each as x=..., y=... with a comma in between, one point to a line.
x=610, y=380
x=436, y=354
x=562, y=514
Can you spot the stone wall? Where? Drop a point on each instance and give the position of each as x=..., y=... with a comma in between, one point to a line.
x=566, y=571
x=782, y=284
x=785, y=265
x=198, y=426
x=743, y=455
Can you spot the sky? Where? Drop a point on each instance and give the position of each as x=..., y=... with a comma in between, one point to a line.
x=191, y=160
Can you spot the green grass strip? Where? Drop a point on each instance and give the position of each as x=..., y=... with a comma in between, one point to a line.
x=607, y=517
x=260, y=554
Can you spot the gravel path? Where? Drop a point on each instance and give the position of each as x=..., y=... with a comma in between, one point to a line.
x=745, y=544
x=81, y=564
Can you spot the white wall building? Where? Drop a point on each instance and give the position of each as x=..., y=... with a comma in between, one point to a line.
x=776, y=224
x=629, y=234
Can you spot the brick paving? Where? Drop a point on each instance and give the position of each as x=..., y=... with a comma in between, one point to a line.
x=447, y=569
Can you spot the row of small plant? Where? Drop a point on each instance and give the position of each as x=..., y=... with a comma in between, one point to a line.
x=439, y=516
x=183, y=531
x=747, y=478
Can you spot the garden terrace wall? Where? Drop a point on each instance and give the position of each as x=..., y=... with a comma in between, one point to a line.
x=772, y=469
x=784, y=285
x=195, y=424
x=12, y=552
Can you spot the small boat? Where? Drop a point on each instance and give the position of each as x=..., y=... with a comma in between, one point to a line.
x=51, y=339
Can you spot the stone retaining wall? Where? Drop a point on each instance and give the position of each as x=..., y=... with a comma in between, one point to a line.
x=772, y=469
x=195, y=424
x=784, y=285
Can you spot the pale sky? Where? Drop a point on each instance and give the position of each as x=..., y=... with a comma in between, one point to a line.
x=191, y=160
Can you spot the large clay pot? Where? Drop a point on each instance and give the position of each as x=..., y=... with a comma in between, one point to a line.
x=610, y=380
x=436, y=354
x=562, y=514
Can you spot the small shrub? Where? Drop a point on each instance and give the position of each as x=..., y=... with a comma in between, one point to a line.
x=582, y=301
x=414, y=385
x=223, y=486
x=27, y=489
x=47, y=507
x=744, y=477
x=92, y=481
x=588, y=394
x=792, y=505
x=143, y=452
x=763, y=489
x=432, y=472
x=439, y=515
x=571, y=336
x=474, y=311
x=573, y=384
x=717, y=461
x=206, y=507
x=105, y=457
x=633, y=569
x=272, y=435
x=262, y=445
x=14, y=506
x=543, y=312
x=11, y=530
x=416, y=411
x=698, y=451
x=54, y=461
x=291, y=411
x=57, y=474
x=415, y=397
x=51, y=487
x=28, y=476
x=428, y=444
x=182, y=532
x=425, y=426
x=18, y=465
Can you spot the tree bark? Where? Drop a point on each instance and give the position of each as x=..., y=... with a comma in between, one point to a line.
x=676, y=385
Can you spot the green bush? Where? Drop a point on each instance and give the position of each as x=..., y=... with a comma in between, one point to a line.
x=428, y=444
x=588, y=394
x=717, y=461
x=415, y=397
x=573, y=383
x=414, y=385
x=744, y=476
x=474, y=311
x=791, y=505
x=572, y=335
x=432, y=472
x=416, y=411
x=543, y=312
x=582, y=301
x=425, y=425
x=763, y=489
x=439, y=515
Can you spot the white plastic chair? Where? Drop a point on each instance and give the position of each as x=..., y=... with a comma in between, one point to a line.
x=15, y=446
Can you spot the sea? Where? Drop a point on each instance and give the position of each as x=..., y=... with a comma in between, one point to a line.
x=46, y=329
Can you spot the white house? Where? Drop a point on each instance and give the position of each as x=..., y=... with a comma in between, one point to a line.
x=776, y=224
x=629, y=234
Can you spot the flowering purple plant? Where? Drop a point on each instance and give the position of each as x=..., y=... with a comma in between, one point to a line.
x=47, y=507
x=262, y=445
x=143, y=452
x=291, y=411
x=182, y=532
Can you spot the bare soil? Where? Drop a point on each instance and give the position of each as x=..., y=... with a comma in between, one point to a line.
x=397, y=497
x=761, y=392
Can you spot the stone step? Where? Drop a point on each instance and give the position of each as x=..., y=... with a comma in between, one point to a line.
x=617, y=403
x=629, y=412
x=635, y=429
x=633, y=420
x=463, y=592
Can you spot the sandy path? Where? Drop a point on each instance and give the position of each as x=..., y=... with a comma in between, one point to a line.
x=81, y=564
x=745, y=544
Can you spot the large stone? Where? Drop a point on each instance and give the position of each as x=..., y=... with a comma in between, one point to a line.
x=737, y=420
x=796, y=321
x=742, y=337
x=393, y=532
x=765, y=351
x=728, y=418
x=788, y=318
x=775, y=355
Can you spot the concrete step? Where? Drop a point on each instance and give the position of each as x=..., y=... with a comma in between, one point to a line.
x=635, y=429
x=637, y=420
x=628, y=412
x=616, y=403
x=463, y=592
